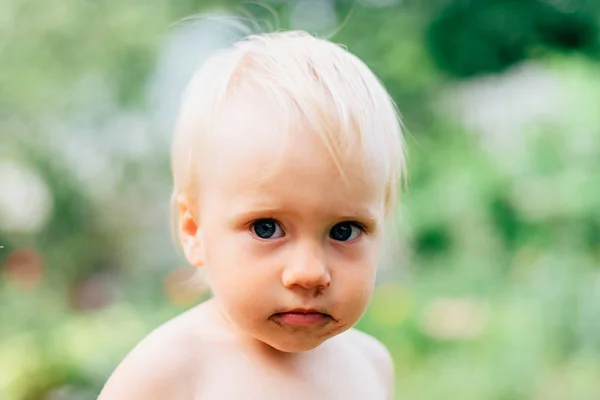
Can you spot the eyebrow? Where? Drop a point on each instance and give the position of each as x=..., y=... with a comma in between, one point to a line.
x=363, y=215
x=367, y=219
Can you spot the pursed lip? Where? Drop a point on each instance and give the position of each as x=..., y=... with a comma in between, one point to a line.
x=304, y=311
x=302, y=317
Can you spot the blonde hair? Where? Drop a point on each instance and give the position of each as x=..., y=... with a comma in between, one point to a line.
x=311, y=80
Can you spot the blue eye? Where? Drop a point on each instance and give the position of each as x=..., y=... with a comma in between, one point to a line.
x=267, y=229
x=345, y=231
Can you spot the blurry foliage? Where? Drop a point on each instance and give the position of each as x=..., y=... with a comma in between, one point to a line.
x=469, y=37
x=499, y=293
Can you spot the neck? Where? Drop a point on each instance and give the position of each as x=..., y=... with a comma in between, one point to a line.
x=250, y=344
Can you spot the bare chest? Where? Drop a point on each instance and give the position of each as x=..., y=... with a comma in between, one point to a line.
x=346, y=379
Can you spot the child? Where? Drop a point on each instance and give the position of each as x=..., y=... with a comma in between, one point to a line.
x=286, y=159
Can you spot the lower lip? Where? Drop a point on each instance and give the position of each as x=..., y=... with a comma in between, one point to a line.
x=297, y=319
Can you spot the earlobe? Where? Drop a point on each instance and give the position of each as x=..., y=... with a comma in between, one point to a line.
x=190, y=235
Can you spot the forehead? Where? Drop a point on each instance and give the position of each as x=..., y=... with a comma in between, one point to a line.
x=255, y=153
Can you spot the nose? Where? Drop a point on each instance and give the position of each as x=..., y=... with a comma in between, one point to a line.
x=307, y=269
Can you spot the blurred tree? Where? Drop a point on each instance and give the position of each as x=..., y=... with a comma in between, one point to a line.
x=470, y=37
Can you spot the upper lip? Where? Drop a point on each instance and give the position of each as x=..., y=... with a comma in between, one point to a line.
x=303, y=311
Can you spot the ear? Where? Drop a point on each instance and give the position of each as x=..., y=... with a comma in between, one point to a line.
x=189, y=234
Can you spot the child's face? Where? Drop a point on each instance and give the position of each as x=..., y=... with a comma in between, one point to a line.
x=282, y=233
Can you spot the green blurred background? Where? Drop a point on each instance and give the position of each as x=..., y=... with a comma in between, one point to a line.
x=491, y=290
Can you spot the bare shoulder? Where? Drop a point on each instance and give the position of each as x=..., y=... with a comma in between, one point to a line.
x=372, y=348
x=163, y=365
x=377, y=353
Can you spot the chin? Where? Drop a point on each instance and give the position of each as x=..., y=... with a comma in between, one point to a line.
x=295, y=345
x=296, y=348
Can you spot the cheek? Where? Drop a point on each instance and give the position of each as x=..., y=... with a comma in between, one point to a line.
x=237, y=274
x=359, y=259
x=358, y=283
x=355, y=275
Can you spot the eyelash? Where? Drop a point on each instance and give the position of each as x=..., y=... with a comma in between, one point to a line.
x=252, y=226
x=362, y=227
